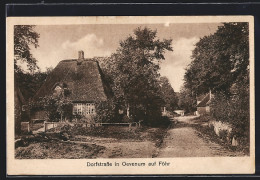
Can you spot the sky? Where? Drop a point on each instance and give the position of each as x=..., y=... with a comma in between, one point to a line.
x=59, y=42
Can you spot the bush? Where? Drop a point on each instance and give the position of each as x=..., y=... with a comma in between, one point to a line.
x=55, y=107
x=127, y=119
x=204, y=118
x=223, y=134
x=162, y=121
x=105, y=111
x=233, y=110
x=211, y=127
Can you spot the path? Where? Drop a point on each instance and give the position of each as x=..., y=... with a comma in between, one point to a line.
x=183, y=141
x=115, y=148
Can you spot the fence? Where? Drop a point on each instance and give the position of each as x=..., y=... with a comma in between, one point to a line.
x=50, y=125
x=136, y=124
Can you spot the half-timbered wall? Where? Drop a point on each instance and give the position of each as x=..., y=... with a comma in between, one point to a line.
x=84, y=109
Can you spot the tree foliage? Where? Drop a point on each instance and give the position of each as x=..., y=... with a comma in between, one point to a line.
x=25, y=37
x=105, y=111
x=221, y=64
x=133, y=72
x=187, y=100
x=30, y=83
x=168, y=95
x=219, y=60
x=56, y=106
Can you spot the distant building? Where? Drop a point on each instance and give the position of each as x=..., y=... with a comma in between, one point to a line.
x=203, y=104
x=180, y=112
x=84, y=81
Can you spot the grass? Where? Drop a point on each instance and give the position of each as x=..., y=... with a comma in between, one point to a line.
x=52, y=145
x=55, y=149
x=117, y=132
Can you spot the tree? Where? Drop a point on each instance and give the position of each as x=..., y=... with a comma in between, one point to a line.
x=221, y=64
x=168, y=94
x=30, y=83
x=219, y=60
x=24, y=37
x=56, y=106
x=187, y=100
x=133, y=73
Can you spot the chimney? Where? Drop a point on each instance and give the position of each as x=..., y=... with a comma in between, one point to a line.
x=81, y=57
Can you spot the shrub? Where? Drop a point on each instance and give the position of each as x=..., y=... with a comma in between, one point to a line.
x=233, y=110
x=66, y=127
x=105, y=111
x=77, y=117
x=162, y=121
x=204, y=118
x=211, y=126
x=55, y=107
x=223, y=134
x=127, y=119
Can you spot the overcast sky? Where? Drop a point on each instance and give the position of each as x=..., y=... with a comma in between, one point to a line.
x=59, y=42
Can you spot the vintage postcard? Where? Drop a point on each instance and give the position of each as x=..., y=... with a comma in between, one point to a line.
x=130, y=95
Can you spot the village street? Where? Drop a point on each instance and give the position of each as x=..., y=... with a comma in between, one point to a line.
x=183, y=140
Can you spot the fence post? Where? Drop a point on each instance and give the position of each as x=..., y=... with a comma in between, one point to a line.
x=28, y=125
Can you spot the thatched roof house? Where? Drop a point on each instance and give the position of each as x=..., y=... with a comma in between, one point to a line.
x=84, y=81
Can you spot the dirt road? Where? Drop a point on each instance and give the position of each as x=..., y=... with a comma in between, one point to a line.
x=182, y=140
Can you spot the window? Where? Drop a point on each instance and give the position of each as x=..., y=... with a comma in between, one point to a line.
x=78, y=108
x=89, y=108
x=84, y=108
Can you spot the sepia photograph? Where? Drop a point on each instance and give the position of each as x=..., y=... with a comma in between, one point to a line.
x=131, y=92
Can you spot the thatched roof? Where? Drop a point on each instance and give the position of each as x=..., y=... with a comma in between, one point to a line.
x=204, y=101
x=83, y=79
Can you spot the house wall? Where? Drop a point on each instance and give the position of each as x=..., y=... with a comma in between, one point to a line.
x=207, y=109
x=85, y=109
x=201, y=110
